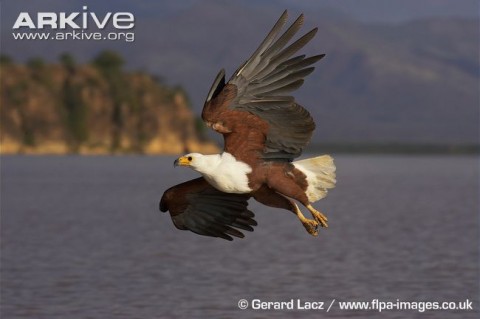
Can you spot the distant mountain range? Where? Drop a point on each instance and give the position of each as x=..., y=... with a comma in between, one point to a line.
x=411, y=82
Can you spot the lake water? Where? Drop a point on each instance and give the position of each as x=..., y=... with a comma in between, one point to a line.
x=82, y=237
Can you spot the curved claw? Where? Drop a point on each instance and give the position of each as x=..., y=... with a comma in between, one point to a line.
x=319, y=217
x=311, y=226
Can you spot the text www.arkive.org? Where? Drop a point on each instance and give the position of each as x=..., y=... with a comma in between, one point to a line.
x=75, y=35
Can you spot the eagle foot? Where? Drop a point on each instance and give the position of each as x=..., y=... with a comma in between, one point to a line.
x=311, y=226
x=319, y=217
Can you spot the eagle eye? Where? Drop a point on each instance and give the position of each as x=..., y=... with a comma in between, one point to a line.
x=189, y=158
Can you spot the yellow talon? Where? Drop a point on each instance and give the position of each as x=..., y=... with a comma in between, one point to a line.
x=310, y=225
x=319, y=217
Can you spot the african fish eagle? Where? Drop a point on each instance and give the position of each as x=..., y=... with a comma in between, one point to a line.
x=264, y=130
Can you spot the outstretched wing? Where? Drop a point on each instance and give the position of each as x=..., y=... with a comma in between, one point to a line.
x=261, y=88
x=197, y=206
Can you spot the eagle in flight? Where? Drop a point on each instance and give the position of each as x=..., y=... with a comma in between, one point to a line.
x=264, y=130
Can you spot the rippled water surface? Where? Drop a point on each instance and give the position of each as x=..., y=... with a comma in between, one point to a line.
x=82, y=238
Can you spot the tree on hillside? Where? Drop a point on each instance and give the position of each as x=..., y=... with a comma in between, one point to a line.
x=68, y=61
x=36, y=63
x=110, y=65
x=108, y=61
x=5, y=59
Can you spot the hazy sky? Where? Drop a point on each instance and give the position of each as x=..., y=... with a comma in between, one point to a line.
x=365, y=10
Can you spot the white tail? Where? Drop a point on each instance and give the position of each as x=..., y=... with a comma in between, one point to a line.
x=320, y=172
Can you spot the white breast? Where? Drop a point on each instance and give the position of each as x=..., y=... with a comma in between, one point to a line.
x=230, y=175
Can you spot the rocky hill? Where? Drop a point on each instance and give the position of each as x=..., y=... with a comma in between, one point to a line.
x=94, y=108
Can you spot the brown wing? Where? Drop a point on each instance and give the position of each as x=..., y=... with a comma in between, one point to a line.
x=197, y=206
x=255, y=104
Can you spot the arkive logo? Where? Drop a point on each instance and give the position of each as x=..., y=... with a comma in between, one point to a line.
x=74, y=26
x=60, y=20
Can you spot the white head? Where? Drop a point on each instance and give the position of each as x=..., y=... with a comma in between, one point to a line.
x=199, y=162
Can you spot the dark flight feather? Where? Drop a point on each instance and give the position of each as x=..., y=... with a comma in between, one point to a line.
x=263, y=83
x=199, y=207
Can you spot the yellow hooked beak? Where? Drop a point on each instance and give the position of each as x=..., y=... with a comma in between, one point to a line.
x=183, y=161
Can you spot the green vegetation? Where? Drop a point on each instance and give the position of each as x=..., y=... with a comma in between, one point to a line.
x=74, y=109
x=16, y=96
x=36, y=63
x=40, y=72
x=28, y=133
x=68, y=62
x=5, y=59
x=76, y=114
x=108, y=62
x=110, y=65
x=200, y=127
